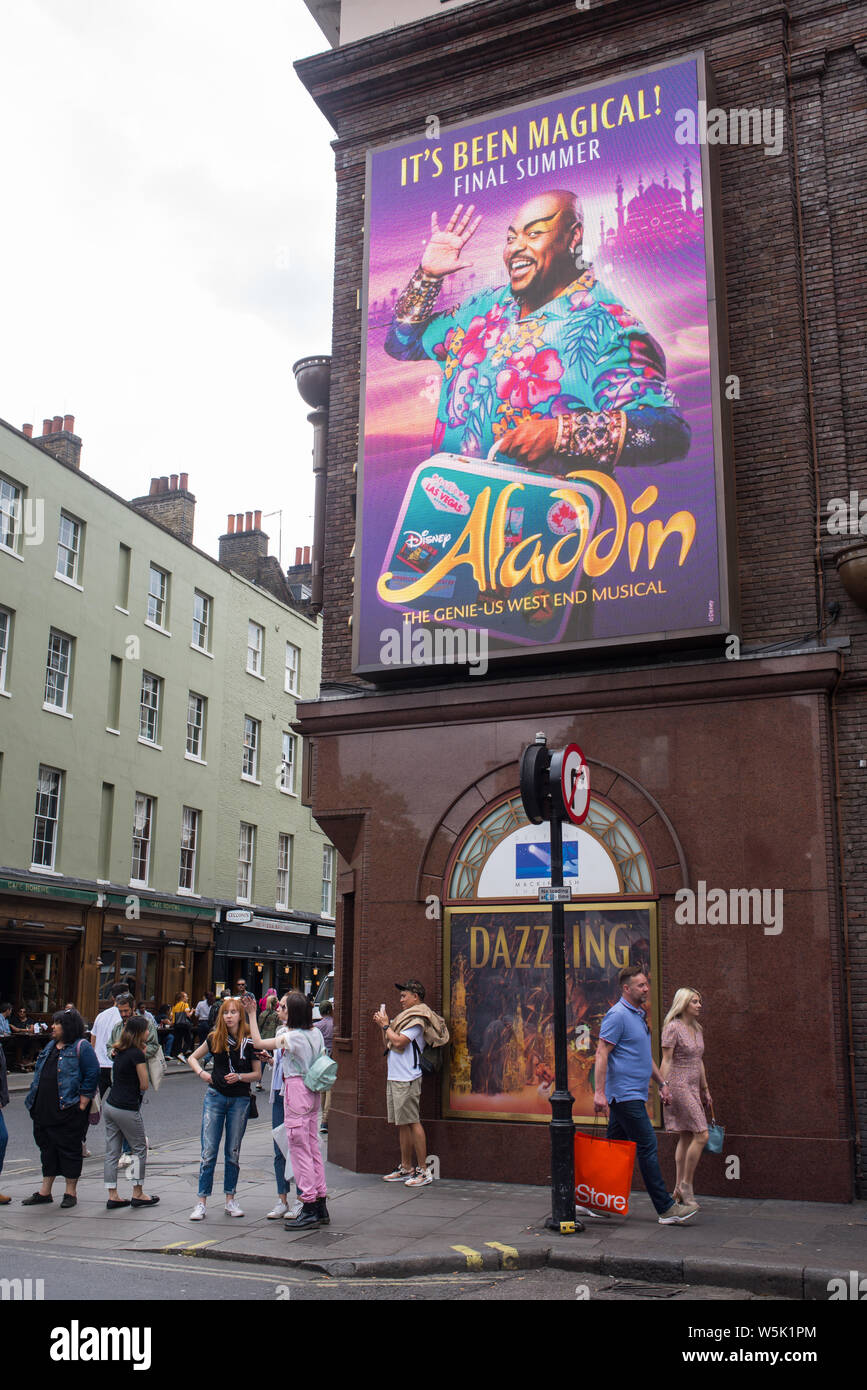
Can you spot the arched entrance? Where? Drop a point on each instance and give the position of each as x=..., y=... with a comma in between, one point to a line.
x=497, y=954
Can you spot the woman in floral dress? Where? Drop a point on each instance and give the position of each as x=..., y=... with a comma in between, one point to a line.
x=682, y=1067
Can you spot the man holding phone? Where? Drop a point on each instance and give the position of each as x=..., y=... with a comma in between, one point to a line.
x=404, y=1042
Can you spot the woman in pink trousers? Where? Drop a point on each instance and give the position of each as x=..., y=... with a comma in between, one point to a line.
x=302, y=1044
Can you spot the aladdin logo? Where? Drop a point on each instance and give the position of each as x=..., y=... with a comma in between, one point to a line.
x=495, y=565
x=588, y=1196
x=414, y=538
x=77, y=1343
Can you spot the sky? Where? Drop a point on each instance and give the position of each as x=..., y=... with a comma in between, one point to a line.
x=166, y=244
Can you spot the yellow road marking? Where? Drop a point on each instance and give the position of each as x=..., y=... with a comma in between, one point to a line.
x=174, y=1245
x=190, y=1248
x=474, y=1258
x=509, y=1253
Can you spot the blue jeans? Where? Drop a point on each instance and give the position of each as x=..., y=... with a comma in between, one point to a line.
x=628, y=1119
x=279, y=1158
x=4, y=1139
x=219, y=1112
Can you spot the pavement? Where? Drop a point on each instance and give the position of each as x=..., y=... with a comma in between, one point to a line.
x=778, y=1249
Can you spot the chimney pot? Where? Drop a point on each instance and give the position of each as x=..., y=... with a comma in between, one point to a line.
x=185, y=478
x=155, y=487
x=297, y=555
x=164, y=484
x=248, y=526
x=239, y=521
x=307, y=554
x=46, y=427
x=69, y=423
x=27, y=431
x=58, y=424
x=257, y=521
x=230, y=524
x=173, y=483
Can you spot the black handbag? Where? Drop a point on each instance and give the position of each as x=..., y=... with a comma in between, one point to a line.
x=254, y=1109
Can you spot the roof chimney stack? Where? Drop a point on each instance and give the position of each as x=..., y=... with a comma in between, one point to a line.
x=300, y=580
x=171, y=505
x=59, y=438
x=244, y=549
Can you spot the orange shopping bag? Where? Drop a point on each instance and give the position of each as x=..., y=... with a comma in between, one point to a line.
x=603, y=1173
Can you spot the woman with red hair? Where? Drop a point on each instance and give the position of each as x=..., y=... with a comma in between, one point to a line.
x=227, y=1102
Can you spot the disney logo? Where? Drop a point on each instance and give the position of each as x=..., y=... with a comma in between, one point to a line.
x=414, y=538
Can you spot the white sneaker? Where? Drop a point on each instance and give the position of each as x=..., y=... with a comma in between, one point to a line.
x=232, y=1208
x=278, y=1212
x=198, y=1212
x=296, y=1209
x=124, y=1161
x=420, y=1178
x=676, y=1215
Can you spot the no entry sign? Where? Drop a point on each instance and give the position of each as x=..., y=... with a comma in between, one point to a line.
x=570, y=783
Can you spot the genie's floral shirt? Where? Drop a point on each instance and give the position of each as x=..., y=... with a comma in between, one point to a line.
x=580, y=351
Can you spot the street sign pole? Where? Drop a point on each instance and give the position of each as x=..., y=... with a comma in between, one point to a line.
x=545, y=781
x=562, y=1126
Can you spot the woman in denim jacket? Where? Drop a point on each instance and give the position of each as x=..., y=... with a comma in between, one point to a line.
x=64, y=1084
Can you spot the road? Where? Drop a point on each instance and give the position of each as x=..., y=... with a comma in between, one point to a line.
x=128, y=1276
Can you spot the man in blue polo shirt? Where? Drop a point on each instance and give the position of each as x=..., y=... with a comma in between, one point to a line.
x=624, y=1066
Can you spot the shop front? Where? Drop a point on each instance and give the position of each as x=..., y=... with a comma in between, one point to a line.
x=41, y=939
x=62, y=944
x=162, y=947
x=273, y=953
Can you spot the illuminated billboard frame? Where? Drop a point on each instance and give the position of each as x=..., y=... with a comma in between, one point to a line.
x=452, y=535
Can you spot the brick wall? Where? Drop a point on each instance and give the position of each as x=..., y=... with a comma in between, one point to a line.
x=796, y=278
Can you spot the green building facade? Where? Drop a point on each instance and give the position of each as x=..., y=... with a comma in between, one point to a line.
x=150, y=777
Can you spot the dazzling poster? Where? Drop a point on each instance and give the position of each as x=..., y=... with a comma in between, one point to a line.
x=540, y=412
x=501, y=1002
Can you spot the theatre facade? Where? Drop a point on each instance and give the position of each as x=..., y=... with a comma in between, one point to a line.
x=576, y=487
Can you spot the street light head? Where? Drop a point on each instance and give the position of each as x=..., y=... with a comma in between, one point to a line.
x=313, y=379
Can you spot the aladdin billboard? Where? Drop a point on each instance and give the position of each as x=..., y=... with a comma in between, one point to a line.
x=541, y=454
